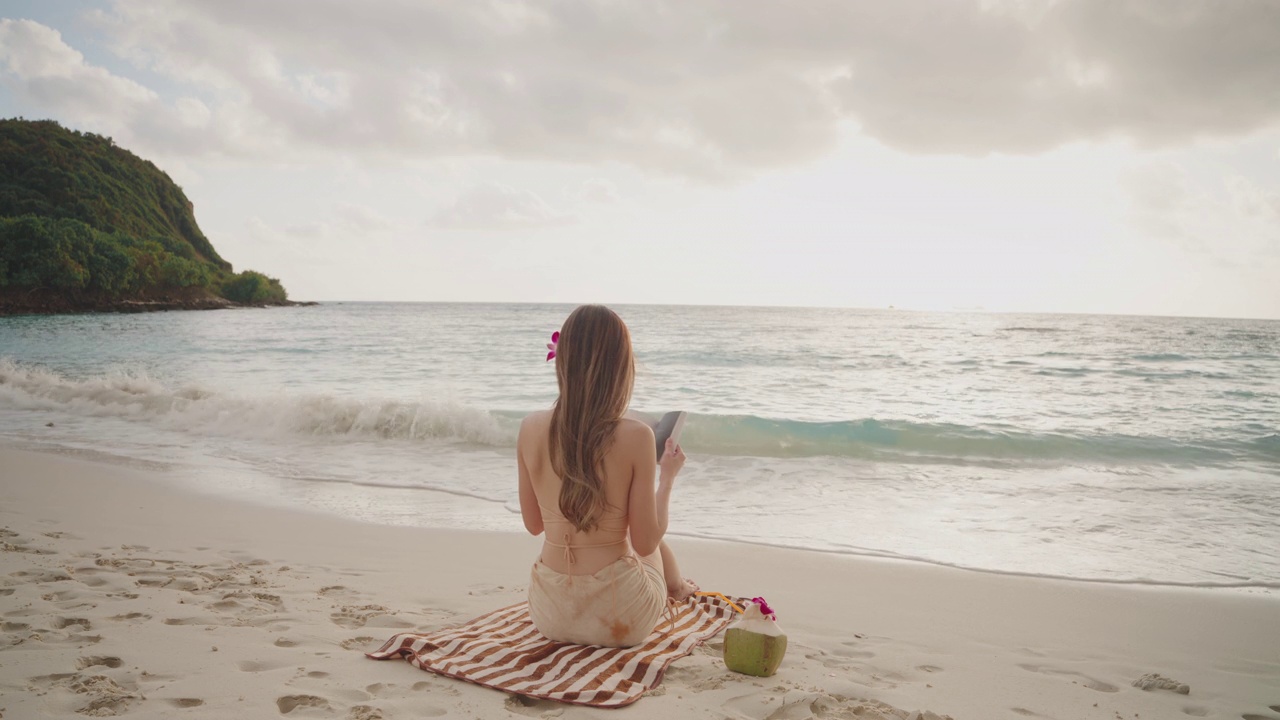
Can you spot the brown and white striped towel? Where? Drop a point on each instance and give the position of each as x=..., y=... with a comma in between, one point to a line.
x=503, y=650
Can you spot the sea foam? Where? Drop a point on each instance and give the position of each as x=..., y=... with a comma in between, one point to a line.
x=134, y=395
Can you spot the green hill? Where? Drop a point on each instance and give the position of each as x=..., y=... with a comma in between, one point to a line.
x=86, y=225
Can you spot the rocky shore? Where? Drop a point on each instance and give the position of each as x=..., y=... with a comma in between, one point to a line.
x=50, y=304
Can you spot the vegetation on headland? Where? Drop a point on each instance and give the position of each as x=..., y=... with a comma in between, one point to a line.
x=87, y=225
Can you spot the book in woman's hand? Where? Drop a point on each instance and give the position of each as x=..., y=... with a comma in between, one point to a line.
x=667, y=426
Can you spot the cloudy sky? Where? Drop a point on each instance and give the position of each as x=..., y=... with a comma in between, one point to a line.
x=1116, y=156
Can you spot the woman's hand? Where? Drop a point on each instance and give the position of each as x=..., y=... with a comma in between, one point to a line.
x=672, y=460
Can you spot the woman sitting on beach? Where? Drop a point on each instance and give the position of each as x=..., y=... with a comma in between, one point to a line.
x=587, y=477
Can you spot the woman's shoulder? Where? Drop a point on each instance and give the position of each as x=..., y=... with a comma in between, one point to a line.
x=634, y=431
x=535, y=422
x=537, y=417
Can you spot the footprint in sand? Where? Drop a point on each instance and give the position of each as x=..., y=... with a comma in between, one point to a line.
x=40, y=576
x=88, y=662
x=424, y=685
x=81, y=640
x=355, y=617
x=243, y=603
x=130, y=616
x=364, y=712
x=106, y=696
x=285, y=642
x=5, y=592
x=119, y=564
x=61, y=623
x=352, y=617
x=12, y=547
x=289, y=703
x=1089, y=682
x=362, y=643
x=173, y=582
x=185, y=702
x=1195, y=711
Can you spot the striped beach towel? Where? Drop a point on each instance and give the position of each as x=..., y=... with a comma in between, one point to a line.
x=504, y=651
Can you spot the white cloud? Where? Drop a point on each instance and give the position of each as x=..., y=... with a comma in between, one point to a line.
x=193, y=113
x=37, y=64
x=493, y=206
x=715, y=88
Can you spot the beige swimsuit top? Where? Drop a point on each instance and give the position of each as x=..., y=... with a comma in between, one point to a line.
x=609, y=526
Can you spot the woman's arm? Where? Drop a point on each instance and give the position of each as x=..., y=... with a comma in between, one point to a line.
x=647, y=506
x=529, y=509
x=668, y=467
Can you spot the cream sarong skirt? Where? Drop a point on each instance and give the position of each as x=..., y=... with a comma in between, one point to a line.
x=616, y=607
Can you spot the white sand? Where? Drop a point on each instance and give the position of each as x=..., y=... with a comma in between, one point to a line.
x=122, y=594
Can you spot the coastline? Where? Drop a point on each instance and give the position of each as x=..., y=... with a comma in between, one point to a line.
x=121, y=584
x=9, y=306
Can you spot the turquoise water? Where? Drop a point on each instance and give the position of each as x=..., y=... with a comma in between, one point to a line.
x=1110, y=448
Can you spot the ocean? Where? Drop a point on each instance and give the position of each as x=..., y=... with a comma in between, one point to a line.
x=1103, y=448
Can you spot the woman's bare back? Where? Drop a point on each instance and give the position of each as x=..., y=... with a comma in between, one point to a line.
x=588, y=552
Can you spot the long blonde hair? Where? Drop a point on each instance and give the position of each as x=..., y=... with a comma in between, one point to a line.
x=595, y=369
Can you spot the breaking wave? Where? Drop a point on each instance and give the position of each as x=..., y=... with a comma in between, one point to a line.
x=138, y=397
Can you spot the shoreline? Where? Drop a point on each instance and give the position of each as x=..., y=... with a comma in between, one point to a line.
x=1262, y=588
x=287, y=502
x=12, y=309
x=123, y=570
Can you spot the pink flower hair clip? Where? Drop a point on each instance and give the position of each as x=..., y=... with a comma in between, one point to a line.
x=555, y=340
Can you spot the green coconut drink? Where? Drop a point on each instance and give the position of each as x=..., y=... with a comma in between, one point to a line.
x=754, y=645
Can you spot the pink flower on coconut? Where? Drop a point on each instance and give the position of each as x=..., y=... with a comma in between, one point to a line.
x=764, y=608
x=555, y=340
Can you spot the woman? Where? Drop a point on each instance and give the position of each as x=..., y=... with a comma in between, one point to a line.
x=587, y=478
